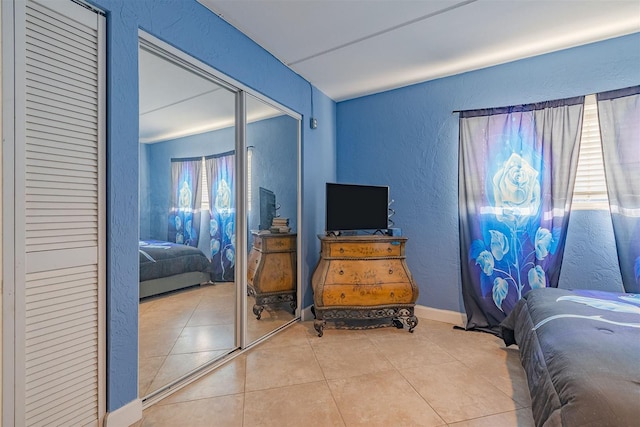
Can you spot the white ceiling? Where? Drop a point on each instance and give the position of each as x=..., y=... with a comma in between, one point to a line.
x=176, y=102
x=350, y=48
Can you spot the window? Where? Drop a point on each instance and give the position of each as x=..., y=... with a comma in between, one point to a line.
x=590, y=190
x=204, y=204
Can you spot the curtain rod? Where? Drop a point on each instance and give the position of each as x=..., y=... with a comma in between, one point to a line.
x=563, y=101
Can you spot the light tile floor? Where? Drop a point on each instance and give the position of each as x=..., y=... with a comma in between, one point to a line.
x=436, y=376
x=181, y=331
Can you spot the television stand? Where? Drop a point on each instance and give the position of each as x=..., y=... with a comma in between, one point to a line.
x=363, y=282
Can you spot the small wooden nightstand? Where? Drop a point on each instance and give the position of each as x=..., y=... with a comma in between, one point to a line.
x=271, y=270
x=363, y=279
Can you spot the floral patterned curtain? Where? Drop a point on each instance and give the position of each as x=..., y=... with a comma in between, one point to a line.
x=517, y=169
x=619, y=117
x=186, y=194
x=222, y=213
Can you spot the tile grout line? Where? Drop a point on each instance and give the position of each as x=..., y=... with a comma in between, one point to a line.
x=326, y=382
x=411, y=385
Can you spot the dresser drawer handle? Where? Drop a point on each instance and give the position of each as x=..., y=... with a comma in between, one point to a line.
x=392, y=295
x=389, y=249
x=390, y=271
x=342, y=296
x=341, y=250
x=341, y=272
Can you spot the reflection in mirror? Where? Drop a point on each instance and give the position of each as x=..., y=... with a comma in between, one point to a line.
x=187, y=221
x=272, y=206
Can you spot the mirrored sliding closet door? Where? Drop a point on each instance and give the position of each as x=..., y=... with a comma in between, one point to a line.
x=272, y=211
x=187, y=312
x=215, y=275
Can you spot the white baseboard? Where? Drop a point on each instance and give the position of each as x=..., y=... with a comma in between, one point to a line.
x=129, y=414
x=430, y=313
x=446, y=316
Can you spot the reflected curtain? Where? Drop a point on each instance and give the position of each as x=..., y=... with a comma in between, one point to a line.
x=186, y=195
x=619, y=117
x=517, y=168
x=220, y=170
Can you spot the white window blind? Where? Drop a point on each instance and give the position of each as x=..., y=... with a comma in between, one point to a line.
x=204, y=204
x=590, y=190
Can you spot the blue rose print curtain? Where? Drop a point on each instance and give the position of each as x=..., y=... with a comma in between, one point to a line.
x=517, y=168
x=619, y=117
x=186, y=194
x=222, y=212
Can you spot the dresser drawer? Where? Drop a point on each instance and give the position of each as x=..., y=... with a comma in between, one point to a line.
x=279, y=244
x=370, y=273
x=367, y=295
x=272, y=242
x=363, y=250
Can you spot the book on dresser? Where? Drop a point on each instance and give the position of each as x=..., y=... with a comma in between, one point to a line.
x=280, y=225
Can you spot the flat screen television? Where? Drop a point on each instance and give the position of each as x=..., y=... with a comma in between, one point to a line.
x=267, y=208
x=356, y=207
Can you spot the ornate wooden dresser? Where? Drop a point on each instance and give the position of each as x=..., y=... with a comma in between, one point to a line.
x=271, y=270
x=363, y=281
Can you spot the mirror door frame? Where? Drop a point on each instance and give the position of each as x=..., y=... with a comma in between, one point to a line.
x=151, y=42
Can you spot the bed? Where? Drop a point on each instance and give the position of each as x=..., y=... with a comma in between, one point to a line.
x=166, y=267
x=581, y=353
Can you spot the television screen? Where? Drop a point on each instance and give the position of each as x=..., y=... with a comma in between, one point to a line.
x=267, y=208
x=357, y=207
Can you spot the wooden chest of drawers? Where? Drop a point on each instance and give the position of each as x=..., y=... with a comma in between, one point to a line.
x=362, y=278
x=271, y=270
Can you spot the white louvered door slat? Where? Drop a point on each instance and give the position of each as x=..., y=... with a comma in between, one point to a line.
x=60, y=208
x=51, y=92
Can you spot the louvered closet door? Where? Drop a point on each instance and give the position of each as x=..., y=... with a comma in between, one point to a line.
x=59, y=214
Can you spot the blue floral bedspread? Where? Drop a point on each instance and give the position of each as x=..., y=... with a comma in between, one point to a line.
x=581, y=353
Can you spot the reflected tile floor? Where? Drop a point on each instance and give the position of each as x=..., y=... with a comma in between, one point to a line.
x=436, y=376
x=181, y=331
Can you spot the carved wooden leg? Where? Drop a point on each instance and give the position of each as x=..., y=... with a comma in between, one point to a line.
x=318, y=324
x=412, y=322
x=257, y=310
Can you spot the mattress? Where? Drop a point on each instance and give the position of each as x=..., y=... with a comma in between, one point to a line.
x=581, y=353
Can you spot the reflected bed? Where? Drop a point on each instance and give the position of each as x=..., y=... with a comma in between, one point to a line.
x=166, y=267
x=581, y=353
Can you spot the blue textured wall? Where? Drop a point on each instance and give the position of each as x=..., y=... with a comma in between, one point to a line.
x=408, y=139
x=188, y=26
x=274, y=165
